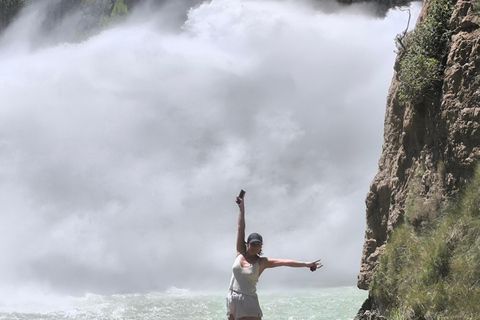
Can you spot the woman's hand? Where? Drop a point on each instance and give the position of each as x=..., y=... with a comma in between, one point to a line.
x=240, y=203
x=314, y=265
x=239, y=199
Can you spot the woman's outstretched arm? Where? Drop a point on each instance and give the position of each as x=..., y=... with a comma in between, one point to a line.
x=241, y=247
x=273, y=263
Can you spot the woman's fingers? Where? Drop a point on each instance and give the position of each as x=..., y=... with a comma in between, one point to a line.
x=316, y=265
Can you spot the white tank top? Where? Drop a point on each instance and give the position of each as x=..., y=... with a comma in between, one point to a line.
x=244, y=279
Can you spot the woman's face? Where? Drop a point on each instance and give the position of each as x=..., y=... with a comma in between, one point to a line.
x=254, y=247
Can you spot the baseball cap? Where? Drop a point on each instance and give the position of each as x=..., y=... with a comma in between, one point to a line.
x=255, y=237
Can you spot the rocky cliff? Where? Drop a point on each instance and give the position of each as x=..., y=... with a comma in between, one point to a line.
x=90, y=15
x=431, y=139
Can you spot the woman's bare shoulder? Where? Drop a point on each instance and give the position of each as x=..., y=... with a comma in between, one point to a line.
x=262, y=260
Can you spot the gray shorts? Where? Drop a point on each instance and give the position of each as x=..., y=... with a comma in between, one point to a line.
x=242, y=305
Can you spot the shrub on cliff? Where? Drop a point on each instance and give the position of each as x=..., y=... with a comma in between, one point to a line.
x=434, y=273
x=119, y=10
x=422, y=53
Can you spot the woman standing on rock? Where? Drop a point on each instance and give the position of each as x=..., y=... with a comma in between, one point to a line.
x=242, y=300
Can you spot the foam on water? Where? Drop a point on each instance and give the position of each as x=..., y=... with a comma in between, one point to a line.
x=31, y=300
x=182, y=304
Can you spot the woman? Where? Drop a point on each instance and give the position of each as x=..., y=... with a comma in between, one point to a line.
x=242, y=300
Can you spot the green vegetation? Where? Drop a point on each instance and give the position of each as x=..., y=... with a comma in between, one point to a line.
x=420, y=212
x=119, y=10
x=476, y=6
x=422, y=53
x=101, y=12
x=434, y=273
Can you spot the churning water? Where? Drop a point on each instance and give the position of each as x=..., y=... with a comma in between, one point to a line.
x=339, y=303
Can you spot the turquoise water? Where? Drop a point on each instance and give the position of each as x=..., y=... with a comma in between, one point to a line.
x=177, y=304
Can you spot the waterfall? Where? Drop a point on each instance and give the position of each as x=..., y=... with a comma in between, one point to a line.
x=122, y=153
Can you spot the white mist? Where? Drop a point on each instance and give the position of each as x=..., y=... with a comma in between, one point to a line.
x=122, y=154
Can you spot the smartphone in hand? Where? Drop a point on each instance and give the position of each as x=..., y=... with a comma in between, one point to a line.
x=241, y=195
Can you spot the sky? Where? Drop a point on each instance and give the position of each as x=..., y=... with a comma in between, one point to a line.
x=122, y=154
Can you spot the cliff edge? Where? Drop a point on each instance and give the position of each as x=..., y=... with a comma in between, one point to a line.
x=431, y=131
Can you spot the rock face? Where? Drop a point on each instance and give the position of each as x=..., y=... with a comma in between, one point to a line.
x=430, y=148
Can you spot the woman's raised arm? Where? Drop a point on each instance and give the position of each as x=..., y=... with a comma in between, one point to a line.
x=241, y=247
